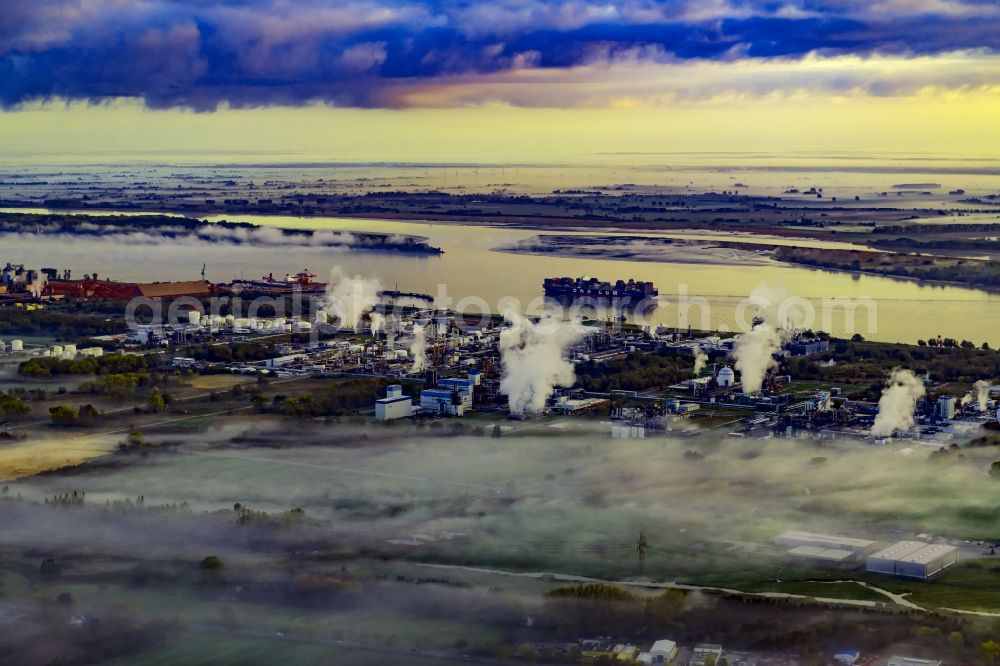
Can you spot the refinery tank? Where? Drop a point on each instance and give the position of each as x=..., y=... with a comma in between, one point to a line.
x=69, y=349
x=194, y=317
x=17, y=345
x=56, y=350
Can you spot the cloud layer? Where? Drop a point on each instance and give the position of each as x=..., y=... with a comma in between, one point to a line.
x=385, y=53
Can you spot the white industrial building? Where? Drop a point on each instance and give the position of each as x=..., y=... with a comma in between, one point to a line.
x=663, y=652
x=726, y=377
x=627, y=431
x=701, y=652
x=914, y=559
x=394, y=405
x=817, y=545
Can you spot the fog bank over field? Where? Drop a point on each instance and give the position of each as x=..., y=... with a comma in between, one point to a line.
x=568, y=503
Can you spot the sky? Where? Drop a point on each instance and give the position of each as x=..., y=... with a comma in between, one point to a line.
x=530, y=80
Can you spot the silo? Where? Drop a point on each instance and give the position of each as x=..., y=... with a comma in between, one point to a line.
x=17, y=345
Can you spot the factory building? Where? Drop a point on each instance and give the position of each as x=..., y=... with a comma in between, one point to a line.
x=913, y=559
x=442, y=401
x=946, y=407
x=394, y=405
x=855, y=548
x=463, y=387
x=808, y=347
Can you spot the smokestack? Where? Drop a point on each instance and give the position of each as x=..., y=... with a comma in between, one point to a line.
x=534, y=362
x=898, y=401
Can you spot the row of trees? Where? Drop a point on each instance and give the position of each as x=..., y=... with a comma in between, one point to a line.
x=50, y=366
x=634, y=372
x=12, y=407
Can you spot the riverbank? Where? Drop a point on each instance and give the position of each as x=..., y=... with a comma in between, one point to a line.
x=927, y=269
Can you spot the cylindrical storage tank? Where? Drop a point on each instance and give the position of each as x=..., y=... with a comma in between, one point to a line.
x=356, y=349
x=321, y=317
x=194, y=317
x=230, y=320
x=242, y=322
x=57, y=350
x=68, y=356
x=17, y=345
x=402, y=353
x=69, y=349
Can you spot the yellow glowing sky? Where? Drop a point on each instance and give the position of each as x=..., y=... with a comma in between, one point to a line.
x=958, y=123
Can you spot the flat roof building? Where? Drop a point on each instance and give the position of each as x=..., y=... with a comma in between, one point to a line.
x=701, y=653
x=912, y=661
x=829, y=555
x=914, y=559
x=394, y=405
x=794, y=539
x=663, y=651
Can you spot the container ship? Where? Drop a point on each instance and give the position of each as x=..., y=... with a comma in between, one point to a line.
x=584, y=287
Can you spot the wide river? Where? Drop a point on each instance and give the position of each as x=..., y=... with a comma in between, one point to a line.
x=471, y=269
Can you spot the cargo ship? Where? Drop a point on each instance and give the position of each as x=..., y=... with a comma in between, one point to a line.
x=269, y=285
x=584, y=287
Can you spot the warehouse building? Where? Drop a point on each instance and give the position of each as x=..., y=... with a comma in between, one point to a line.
x=855, y=548
x=824, y=555
x=914, y=559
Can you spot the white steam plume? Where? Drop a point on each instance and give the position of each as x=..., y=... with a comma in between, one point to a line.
x=418, y=349
x=700, y=360
x=982, y=388
x=534, y=361
x=377, y=322
x=348, y=298
x=38, y=286
x=754, y=351
x=899, y=399
x=754, y=354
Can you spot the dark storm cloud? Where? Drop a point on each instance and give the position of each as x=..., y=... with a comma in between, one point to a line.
x=199, y=54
